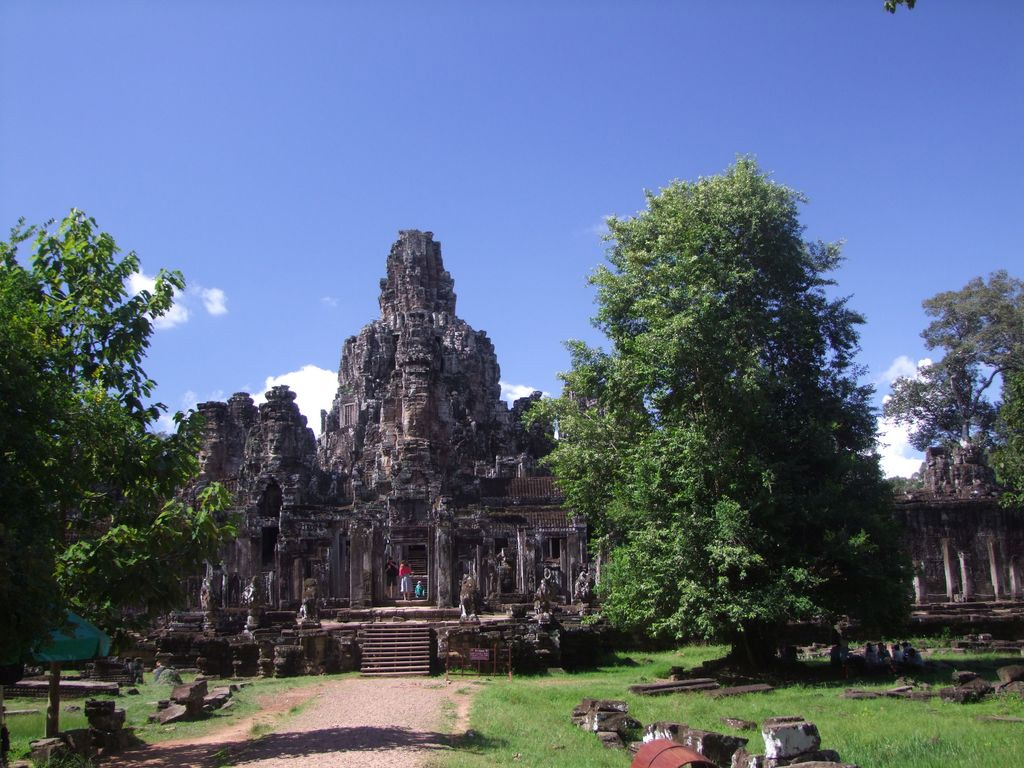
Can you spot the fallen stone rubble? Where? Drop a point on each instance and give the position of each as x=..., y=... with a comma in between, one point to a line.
x=105, y=735
x=787, y=740
x=192, y=701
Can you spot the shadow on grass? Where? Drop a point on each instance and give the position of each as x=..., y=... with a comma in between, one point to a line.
x=307, y=745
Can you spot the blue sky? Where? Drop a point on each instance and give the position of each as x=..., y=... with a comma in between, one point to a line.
x=272, y=151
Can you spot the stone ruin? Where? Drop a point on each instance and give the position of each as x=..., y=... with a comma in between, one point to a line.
x=966, y=548
x=419, y=458
x=788, y=740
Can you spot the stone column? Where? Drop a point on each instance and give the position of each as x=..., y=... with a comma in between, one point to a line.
x=919, y=583
x=947, y=562
x=358, y=551
x=965, y=574
x=443, y=559
x=1016, y=586
x=994, y=569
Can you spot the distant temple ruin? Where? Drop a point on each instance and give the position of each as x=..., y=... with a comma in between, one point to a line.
x=965, y=547
x=418, y=459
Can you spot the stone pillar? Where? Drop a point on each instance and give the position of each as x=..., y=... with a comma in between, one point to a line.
x=965, y=574
x=1016, y=586
x=994, y=569
x=443, y=558
x=920, y=595
x=358, y=551
x=947, y=562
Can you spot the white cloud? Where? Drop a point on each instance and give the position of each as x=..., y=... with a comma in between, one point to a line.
x=215, y=301
x=513, y=392
x=899, y=457
x=314, y=389
x=176, y=315
x=903, y=366
x=329, y=301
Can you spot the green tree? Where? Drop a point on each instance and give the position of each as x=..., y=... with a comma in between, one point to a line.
x=722, y=450
x=1008, y=457
x=892, y=5
x=90, y=519
x=980, y=331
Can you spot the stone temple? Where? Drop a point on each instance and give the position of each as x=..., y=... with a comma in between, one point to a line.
x=418, y=458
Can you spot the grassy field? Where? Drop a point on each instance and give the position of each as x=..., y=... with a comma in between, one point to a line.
x=526, y=722
x=25, y=728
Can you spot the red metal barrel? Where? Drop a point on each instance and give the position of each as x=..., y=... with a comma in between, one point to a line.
x=662, y=753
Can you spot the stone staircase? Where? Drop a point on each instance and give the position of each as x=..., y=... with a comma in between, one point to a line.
x=395, y=650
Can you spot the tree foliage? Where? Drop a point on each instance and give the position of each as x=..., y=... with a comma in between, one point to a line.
x=892, y=5
x=1008, y=457
x=722, y=450
x=980, y=331
x=90, y=520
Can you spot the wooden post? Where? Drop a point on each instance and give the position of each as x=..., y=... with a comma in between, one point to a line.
x=53, y=701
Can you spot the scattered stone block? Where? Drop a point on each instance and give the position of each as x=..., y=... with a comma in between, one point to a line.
x=1014, y=687
x=44, y=750
x=78, y=740
x=788, y=737
x=965, y=676
x=610, y=740
x=618, y=722
x=855, y=693
x=1013, y=673
x=173, y=713
x=739, y=724
x=739, y=690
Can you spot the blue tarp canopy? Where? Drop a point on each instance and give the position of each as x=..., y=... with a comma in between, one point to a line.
x=77, y=640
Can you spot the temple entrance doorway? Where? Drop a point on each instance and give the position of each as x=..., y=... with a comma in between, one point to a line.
x=413, y=550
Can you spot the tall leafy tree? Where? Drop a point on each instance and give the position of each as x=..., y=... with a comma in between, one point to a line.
x=90, y=520
x=722, y=449
x=1008, y=457
x=980, y=331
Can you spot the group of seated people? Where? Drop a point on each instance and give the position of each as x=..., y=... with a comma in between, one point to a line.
x=876, y=657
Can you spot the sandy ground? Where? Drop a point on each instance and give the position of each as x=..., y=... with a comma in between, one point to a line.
x=395, y=722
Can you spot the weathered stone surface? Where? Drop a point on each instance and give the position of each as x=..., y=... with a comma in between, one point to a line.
x=172, y=713
x=183, y=694
x=964, y=676
x=740, y=724
x=610, y=740
x=1011, y=673
x=1016, y=687
x=740, y=690
x=787, y=738
x=43, y=750
x=618, y=722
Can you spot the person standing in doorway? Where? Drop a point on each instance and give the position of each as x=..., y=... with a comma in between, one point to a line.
x=405, y=577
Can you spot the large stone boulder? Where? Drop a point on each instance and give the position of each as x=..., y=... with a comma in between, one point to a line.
x=1013, y=673
x=787, y=737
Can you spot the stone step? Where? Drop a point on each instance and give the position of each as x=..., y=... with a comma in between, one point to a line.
x=395, y=650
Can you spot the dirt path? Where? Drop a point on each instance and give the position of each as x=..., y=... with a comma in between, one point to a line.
x=348, y=723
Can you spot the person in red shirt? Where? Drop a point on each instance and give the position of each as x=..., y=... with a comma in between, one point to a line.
x=405, y=580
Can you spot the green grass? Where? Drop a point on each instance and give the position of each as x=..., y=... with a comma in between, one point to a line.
x=526, y=722
x=25, y=728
